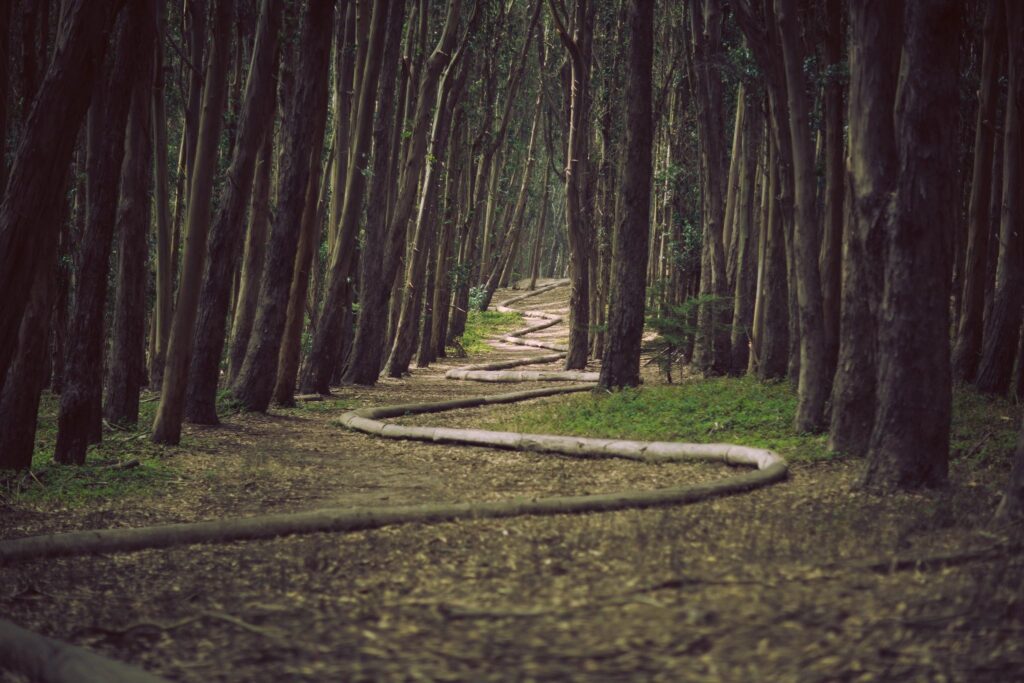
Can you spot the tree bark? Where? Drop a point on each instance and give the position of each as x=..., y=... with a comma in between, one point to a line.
x=1002, y=326
x=366, y=358
x=967, y=351
x=47, y=143
x=163, y=306
x=815, y=381
x=126, y=368
x=252, y=263
x=255, y=383
x=746, y=238
x=256, y=125
x=79, y=418
x=875, y=39
x=579, y=47
x=910, y=440
x=325, y=354
x=5, y=84
x=441, y=60
x=620, y=366
x=830, y=258
x=309, y=240
x=171, y=411
x=774, y=342
x=19, y=398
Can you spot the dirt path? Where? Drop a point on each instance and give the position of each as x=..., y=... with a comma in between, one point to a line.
x=765, y=586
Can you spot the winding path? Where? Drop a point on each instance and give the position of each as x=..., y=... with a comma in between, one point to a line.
x=51, y=660
x=767, y=469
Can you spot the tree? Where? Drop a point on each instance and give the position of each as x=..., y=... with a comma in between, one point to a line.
x=910, y=440
x=875, y=40
x=255, y=126
x=1002, y=324
x=325, y=351
x=579, y=45
x=255, y=382
x=79, y=418
x=620, y=366
x=32, y=197
x=441, y=66
x=167, y=425
x=126, y=368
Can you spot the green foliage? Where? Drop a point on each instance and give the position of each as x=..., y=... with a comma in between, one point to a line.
x=742, y=411
x=482, y=325
x=99, y=478
x=983, y=430
x=476, y=297
x=676, y=325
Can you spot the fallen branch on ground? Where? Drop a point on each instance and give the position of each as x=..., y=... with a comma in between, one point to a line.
x=51, y=661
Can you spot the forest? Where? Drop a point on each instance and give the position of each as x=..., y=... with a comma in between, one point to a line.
x=751, y=270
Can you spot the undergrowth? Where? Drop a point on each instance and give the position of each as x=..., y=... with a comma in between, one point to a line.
x=743, y=411
x=104, y=475
x=482, y=325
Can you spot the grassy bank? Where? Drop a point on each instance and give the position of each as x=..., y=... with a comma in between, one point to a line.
x=742, y=411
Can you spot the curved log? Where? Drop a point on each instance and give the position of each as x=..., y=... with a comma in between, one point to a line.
x=51, y=661
x=768, y=468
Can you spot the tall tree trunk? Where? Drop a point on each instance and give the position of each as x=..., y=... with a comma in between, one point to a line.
x=344, y=64
x=45, y=151
x=579, y=46
x=967, y=351
x=366, y=358
x=169, y=415
x=325, y=354
x=620, y=366
x=445, y=263
x=19, y=398
x=5, y=85
x=79, y=418
x=309, y=240
x=711, y=346
x=815, y=381
x=195, y=30
x=252, y=263
x=163, y=306
x=256, y=125
x=440, y=61
x=255, y=383
x=126, y=367
x=830, y=259
x=1002, y=326
x=875, y=38
x=774, y=343
x=746, y=238
x=910, y=440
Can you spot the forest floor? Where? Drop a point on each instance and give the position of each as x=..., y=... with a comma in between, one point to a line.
x=800, y=581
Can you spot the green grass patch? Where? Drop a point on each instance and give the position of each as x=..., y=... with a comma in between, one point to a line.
x=984, y=429
x=743, y=411
x=100, y=478
x=482, y=325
